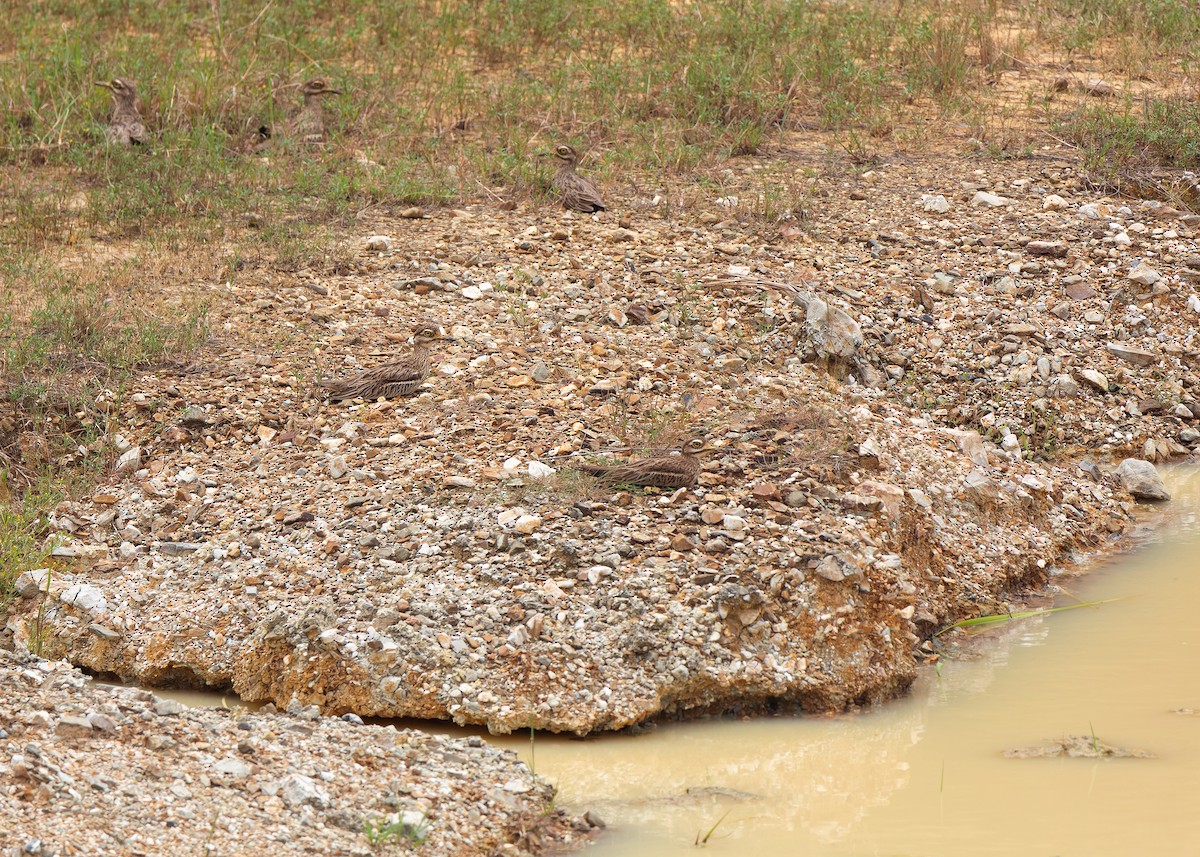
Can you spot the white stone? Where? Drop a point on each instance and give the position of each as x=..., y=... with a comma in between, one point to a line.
x=337, y=467
x=33, y=581
x=297, y=790
x=1095, y=379
x=526, y=524
x=472, y=293
x=129, y=461
x=85, y=597
x=379, y=243
x=540, y=471
x=1053, y=202
x=234, y=768
x=509, y=517
x=1093, y=211
x=990, y=200
x=935, y=203
x=970, y=444
x=734, y=523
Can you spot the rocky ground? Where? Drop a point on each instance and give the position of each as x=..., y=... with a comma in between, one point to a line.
x=418, y=558
x=899, y=453
x=93, y=769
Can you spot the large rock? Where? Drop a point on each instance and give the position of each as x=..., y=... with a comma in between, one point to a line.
x=1141, y=479
x=1132, y=354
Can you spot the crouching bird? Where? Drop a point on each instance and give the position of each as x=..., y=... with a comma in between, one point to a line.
x=125, y=127
x=666, y=471
x=577, y=193
x=402, y=377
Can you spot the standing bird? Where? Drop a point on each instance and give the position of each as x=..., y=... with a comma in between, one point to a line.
x=667, y=471
x=402, y=377
x=125, y=128
x=578, y=194
x=307, y=126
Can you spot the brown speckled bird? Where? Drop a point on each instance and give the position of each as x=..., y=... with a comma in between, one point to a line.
x=402, y=377
x=667, y=471
x=578, y=194
x=125, y=128
x=307, y=126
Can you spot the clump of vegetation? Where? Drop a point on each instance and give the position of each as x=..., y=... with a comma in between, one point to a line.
x=21, y=523
x=1125, y=149
x=68, y=345
x=405, y=828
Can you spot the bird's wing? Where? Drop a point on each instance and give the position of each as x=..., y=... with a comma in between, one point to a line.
x=589, y=195
x=401, y=370
x=637, y=470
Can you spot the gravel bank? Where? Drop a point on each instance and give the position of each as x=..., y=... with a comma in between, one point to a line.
x=93, y=769
x=913, y=447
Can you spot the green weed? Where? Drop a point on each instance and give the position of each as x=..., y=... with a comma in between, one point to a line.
x=396, y=828
x=1123, y=148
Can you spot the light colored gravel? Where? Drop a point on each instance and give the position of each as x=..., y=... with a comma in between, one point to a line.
x=94, y=769
x=398, y=558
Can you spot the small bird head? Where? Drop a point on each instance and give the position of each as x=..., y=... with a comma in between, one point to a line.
x=122, y=88
x=697, y=446
x=316, y=87
x=426, y=332
x=566, y=154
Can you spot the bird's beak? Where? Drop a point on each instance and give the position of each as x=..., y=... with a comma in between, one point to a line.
x=103, y=84
x=333, y=92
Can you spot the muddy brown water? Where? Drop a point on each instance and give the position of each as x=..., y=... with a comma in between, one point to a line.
x=925, y=775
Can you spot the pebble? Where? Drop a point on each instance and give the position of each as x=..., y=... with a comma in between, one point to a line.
x=129, y=461
x=85, y=597
x=1144, y=274
x=1141, y=479
x=935, y=203
x=1055, y=249
x=989, y=200
x=1133, y=354
x=1095, y=379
